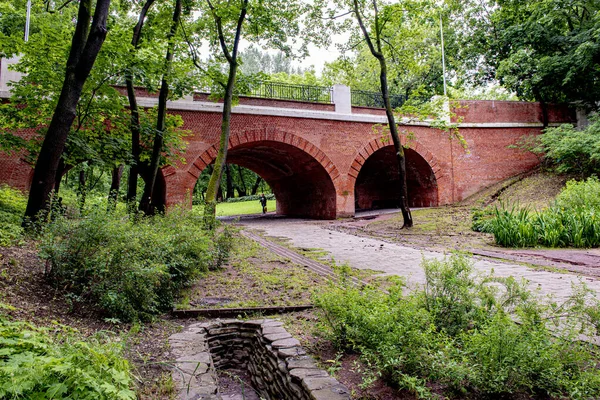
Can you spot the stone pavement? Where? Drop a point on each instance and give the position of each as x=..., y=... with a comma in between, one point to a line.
x=395, y=259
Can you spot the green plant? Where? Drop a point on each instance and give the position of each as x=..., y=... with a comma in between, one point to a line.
x=39, y=363
x=130, y=269
x=481, y=219
x=572, y=220
x=12, y=208
x=573, y=150
x=469, y=335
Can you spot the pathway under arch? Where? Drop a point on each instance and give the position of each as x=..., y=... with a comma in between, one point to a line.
x=302, y=182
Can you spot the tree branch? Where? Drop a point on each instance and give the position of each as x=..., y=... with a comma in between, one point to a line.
x=365, y=32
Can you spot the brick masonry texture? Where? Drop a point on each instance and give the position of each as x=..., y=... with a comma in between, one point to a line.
x=279, y=367
x=327, y=168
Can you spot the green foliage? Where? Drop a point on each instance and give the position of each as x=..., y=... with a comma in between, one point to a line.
x=131, y=269
x=461, y=334
x=572, y=150
x=572, y=220
x=545, y=50
x=481, y=219
x=12, y=208
x=39, y=363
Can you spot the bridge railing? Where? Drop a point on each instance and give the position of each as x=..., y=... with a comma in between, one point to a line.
x=364, y=98
x=285, y=91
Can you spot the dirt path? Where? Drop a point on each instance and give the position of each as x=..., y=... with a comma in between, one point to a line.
x=396, y=259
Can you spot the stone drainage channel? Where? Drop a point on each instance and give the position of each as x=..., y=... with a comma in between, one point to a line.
x=279, y=368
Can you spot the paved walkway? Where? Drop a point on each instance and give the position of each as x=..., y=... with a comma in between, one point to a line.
x=394, y=259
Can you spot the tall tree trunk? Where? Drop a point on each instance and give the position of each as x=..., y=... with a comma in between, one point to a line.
x=376, y=50
x=135, y=114
x=400, y=158
x=115, y=185
x=86, y=43
x=242, y=189
x=59, y=174
x=82, y=189
x=215, y=177
x=256, y=185
x=229, y=182
x=146, y=203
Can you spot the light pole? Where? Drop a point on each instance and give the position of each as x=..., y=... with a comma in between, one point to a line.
x=27, y=18
x=443, y=54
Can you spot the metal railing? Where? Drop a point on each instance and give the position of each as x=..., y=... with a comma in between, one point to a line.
x=284, y=91
x=363, y=98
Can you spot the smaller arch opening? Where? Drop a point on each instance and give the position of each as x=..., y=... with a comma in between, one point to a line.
x=378, y=184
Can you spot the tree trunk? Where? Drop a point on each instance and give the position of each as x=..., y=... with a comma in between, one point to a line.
x=59, y=174
x=146, y=204
x=400, y=159
x=375, y=49
x=135, y=115
x=115, y=185
x=86, y=43
x=82, y=189
x=256, y=185
x=242, y=189
x=229, y=182
x=215, y=178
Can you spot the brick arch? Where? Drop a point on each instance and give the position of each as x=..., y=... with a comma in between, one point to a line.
x=372, y=179
x=258, y=135
x=375, y=144
x=293, y=197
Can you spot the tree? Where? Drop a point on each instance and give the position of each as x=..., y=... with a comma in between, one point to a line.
x=86, y=43
x=225, y=23
x=133, y=108
x=544, y=50
x=411, y=41
x=374, y=38
x=146, y=204
x=99, y=133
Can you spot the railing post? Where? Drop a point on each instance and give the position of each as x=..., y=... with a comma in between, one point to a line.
x=8, y=76
x=342, y=99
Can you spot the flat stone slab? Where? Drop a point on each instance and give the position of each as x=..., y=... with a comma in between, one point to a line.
x=285, y=343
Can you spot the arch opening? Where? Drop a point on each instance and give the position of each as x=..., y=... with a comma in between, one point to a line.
x=301, y=185
x=378, y=185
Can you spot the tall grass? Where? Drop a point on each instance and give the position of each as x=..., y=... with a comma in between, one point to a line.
x=573, y=220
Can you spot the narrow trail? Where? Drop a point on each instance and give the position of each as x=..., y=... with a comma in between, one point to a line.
x=296, y=258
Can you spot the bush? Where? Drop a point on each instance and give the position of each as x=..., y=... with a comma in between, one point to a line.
x=481, y=219
x=130, y=269
x=571, y=150
x=12, y=208
x=572, y=220
x=37, y=363
x=461, y=334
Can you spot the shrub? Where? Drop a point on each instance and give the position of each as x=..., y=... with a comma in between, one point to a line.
x=130, y=269
x=573, y=150
x=461, y=333
x=38, y=363
x=12, y=208
x=481, y=219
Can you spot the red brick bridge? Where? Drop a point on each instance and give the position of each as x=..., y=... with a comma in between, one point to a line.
x=325, y=160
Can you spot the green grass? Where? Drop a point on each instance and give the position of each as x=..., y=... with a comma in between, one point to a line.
x=240, y=208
